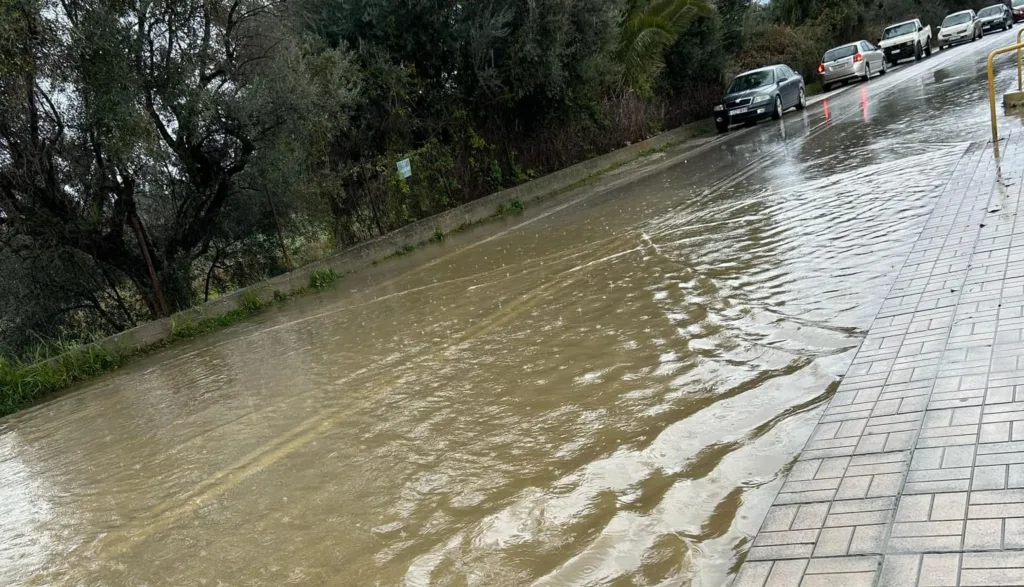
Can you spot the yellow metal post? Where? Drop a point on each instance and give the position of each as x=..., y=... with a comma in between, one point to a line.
x=1020, y=64
x=992, y=87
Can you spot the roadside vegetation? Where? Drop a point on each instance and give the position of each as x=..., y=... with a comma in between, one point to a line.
x=158, y=154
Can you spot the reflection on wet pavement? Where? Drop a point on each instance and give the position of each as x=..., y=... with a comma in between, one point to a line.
x=604, y=390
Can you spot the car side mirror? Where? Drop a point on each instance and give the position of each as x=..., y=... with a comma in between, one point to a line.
x=920, y=28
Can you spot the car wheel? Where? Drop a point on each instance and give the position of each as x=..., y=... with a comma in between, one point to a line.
x=802, y=102
x=917, y=52
x=777, y=111
x=981, y=34
x=885, y=68
x=722, y=126
x=928, y=48
x=867, y=71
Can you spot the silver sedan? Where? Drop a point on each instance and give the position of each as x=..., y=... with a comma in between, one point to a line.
x=859, y=60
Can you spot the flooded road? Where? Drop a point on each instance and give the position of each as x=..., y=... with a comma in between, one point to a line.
x=604, y=390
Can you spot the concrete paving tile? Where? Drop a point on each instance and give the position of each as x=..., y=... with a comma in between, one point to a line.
x=857, y=519
x=899, y=570
x=936, y=486
x=941, y=528
x=939, y=570
x=991, y=577
x=1013, y=533
x=753, y=574
x=786, y=573
x=780, y=552
x=910, y=544
x=811, y=515
x=989, y=477
x=949, y=506
x=939, y=474
x=1015, y=476
x=885, y=485
x=914, y=508
x=845, y=579
x=833, y=542
x=863, y=505
x=786, y=537
x=779, y=517
x=983, y=535
x=868, y=539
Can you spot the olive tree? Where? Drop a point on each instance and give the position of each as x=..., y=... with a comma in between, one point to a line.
x=127, y=127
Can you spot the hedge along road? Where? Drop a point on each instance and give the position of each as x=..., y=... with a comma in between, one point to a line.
x=604, y=392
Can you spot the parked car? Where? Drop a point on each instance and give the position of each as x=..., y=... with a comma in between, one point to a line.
x=997, y=16
x=1017, y=7
x=905, y=40
x=959, y=27
x=854, y=61
x=760, y=93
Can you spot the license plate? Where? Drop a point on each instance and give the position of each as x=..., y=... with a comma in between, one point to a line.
x=738, y=111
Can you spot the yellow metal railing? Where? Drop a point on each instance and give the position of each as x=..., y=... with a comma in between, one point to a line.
x=1020, y=63
x=992, y=83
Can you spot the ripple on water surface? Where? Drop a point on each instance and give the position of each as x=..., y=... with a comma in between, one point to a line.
x=603, y=395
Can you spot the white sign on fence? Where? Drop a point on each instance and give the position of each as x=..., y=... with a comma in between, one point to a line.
x=404, y=169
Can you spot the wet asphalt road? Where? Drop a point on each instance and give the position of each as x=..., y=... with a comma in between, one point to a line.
x=604, y=390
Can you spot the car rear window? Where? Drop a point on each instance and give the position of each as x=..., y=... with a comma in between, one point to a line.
x=841, y=53
x=990, y=11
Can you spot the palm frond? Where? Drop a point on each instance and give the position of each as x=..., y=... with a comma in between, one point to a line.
x=646, y=32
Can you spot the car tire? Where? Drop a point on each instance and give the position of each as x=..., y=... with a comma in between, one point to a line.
x=928, y=48
x=777, y=109
x=867, y=72
x=981, y=34
x=918, y=52
x=801, y=102
x=885, y=68
x=723, y=127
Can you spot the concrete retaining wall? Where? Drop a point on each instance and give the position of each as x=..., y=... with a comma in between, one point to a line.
x=364, y=254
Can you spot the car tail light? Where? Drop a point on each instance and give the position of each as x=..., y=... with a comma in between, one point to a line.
x=821, y=68
x=858, y=58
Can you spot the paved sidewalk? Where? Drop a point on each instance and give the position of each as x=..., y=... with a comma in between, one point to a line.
x=915, y=474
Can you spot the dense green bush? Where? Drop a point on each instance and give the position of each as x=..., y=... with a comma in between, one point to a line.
x=147, y=166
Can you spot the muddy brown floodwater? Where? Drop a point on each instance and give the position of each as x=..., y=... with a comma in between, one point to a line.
x=604, y=390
